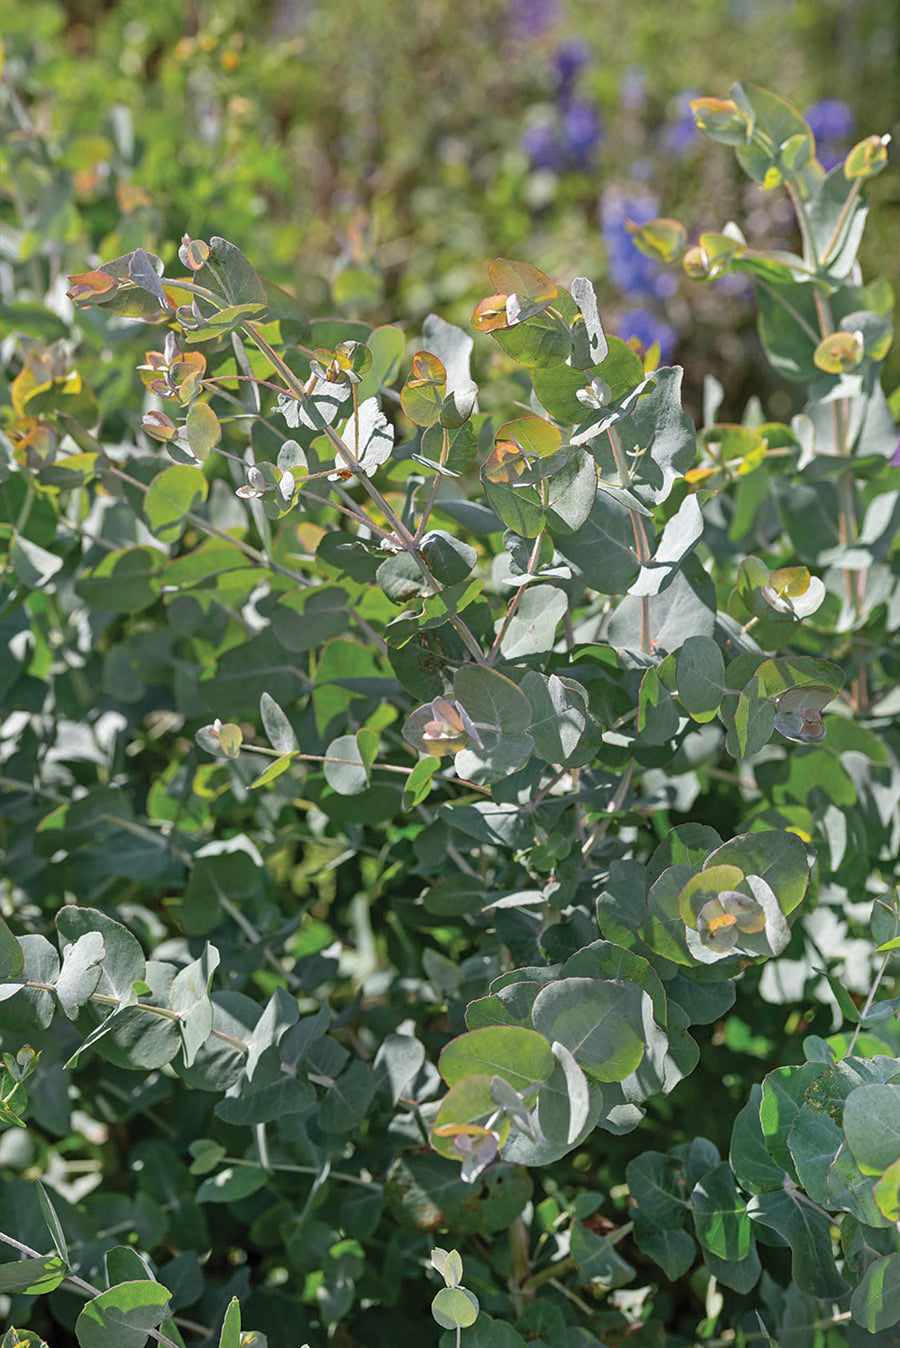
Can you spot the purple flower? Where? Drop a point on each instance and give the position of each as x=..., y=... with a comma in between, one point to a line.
x=544, y=147
x=680, y=133
x=894, y=460
x=533, y=17
x=632, y=271
x=582, y=131
x=830, y=119
x=832, y=123
x=569, y=60
x=648, y=328
x=633, y=91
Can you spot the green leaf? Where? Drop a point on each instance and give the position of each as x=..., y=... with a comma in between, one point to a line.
x=887, y=1192
x=123, y=962
x=849, y=1190
x=399, y=1058
x=600, y=1023
x=228, y=273
x=520, y=1057
x=274, y=770
x=189, y=997
x=720, y=1215
x=492, y=700
x=681, y=533
x=658, y=1188
x=347, y=1101
x=814, y=1142
x=777, y=856
x=22, y=1338
x=700, y=676
x=741, y=1275
x=126, y=581
x=420, y=781
x=425, y=1192
x=542, y=341
x=80, y=973
x=662, y=239
x=658, y=717
x=308, y=618
x=239, y=678
x=455, y=1307
x=754, y=721
x=12, y=960
x=54, y=1225
x=231, y=1184
x=121, y=1317
x=565, y=1100
x=808, y=1232
x=423, y=393
x=279, y=731
x=369, y=438
x=519, y=508
x=231, y=1326
x=597, y=1258
x=532, y=629
x=867, y=158
x=485, y=1333
x=660, y=428
x=25, y=1008
x=449, y=559
x=783, y=1094
x=278, y=1099
x=674, y=1251
x=872, y=1126
x=173, y=494
x=778, y=675
x=662, y=927
x=556, y=388
x=875, y=1303
x=570, y=492
x=34, y=565
x=203, y=430
x=351, y=776
x=558, y=714
x=123, y=1264
x=603, y=549
x=387, y=345
x=32, y=1277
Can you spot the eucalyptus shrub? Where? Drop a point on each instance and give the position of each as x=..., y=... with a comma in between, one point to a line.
x=400, y=781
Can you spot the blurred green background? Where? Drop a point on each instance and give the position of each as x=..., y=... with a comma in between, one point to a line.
x=373, y=156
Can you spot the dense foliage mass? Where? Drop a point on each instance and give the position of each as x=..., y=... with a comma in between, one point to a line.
x=440, y=814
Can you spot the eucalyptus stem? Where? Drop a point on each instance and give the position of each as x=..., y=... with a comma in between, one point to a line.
x=641, y=545
x=867, y=1005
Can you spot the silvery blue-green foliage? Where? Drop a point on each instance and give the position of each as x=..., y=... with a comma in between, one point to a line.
x=395, y=792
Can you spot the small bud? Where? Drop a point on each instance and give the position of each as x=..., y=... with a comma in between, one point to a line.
x=867, y=158
x=721, y=119
x=158, y=426
x=193, y=253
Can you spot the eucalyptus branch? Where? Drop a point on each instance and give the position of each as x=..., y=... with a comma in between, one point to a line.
x=88, y=1288
x=435, y=486
x=404, y=537
x=867, y=1005
x=832, y=246
x=502, y=630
